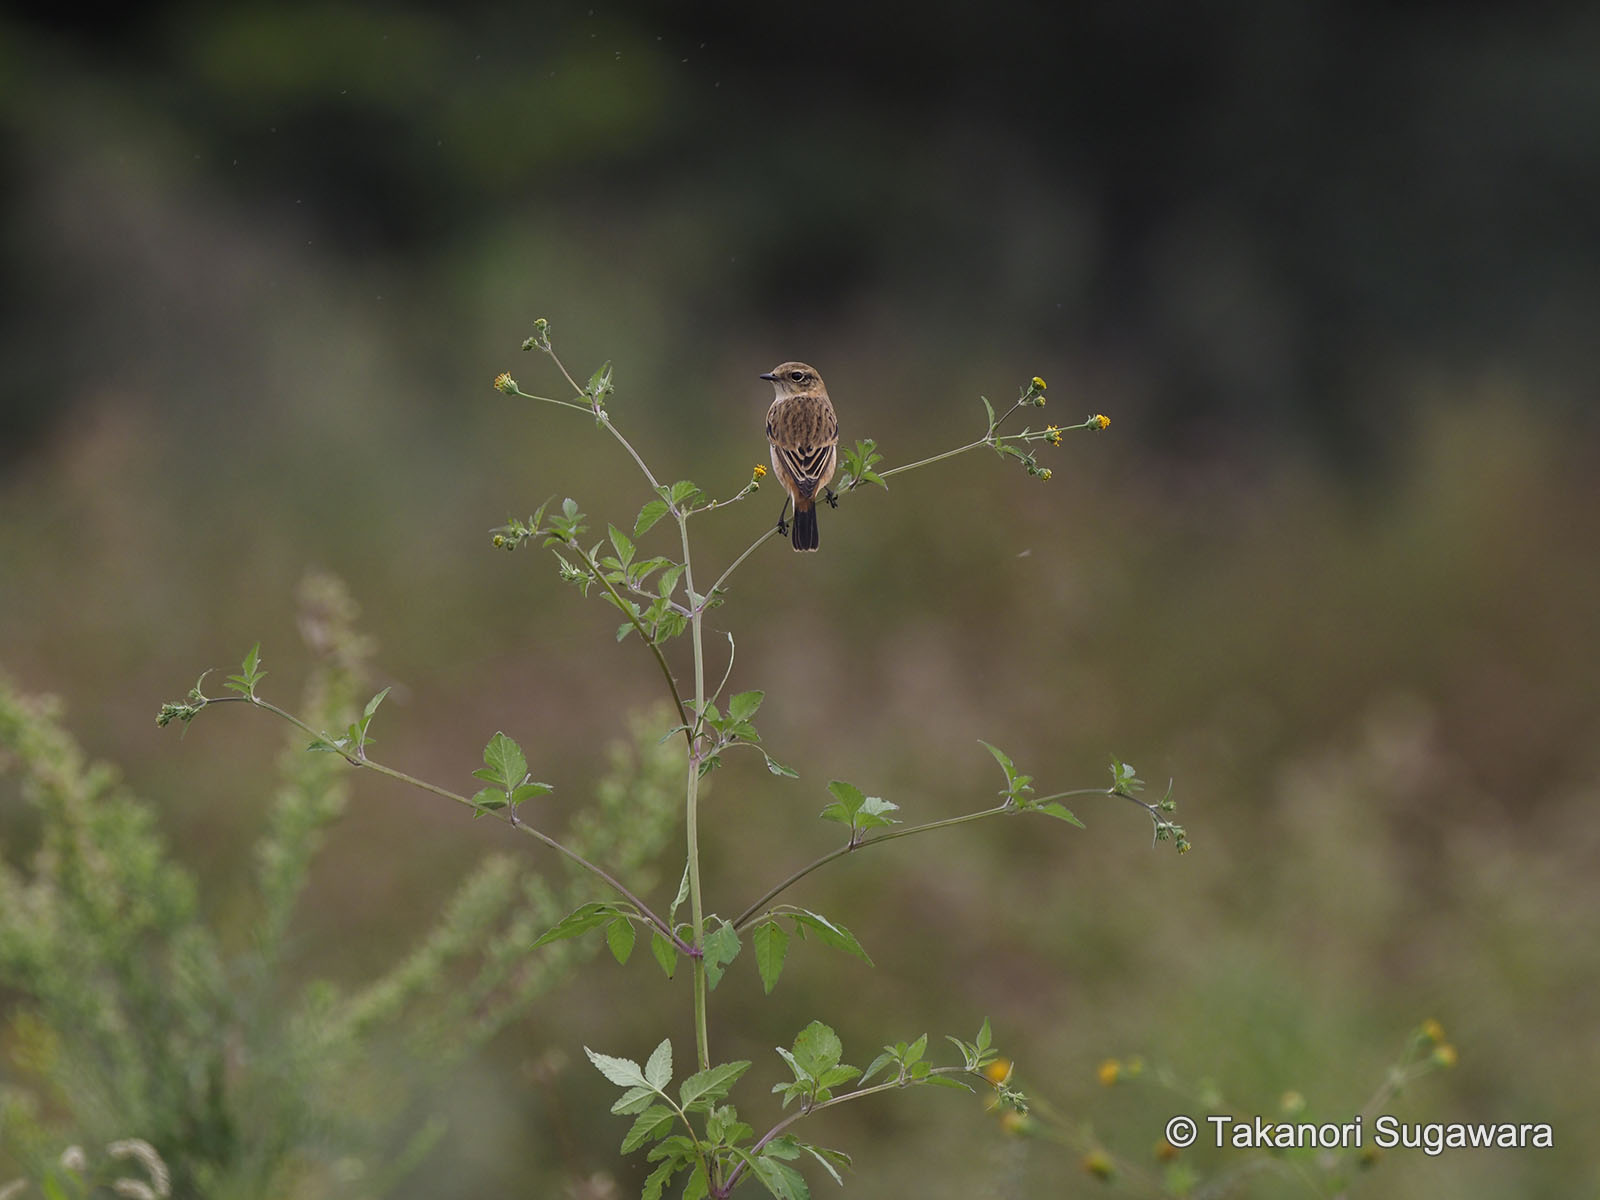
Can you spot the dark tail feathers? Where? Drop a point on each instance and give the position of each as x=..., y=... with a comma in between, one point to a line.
x=805, y=529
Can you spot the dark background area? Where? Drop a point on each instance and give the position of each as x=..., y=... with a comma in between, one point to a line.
x=1332, y=270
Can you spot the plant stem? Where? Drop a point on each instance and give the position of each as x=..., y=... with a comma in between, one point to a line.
x=692, y=799
x=858, y=1094
x=506, y=816
x=661, y=661
x=756, y=909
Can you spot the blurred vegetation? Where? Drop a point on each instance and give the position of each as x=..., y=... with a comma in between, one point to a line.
x=1331, y=270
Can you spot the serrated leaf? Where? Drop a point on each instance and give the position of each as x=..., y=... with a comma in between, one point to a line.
x=721, y=948
x=874, y=813
x=505, y=762
x=697, y=1187
x=634, y=1100
x=621, y=544
x=656, y=1182
x=828, y=1158
x=620, y=937
x=848, y=795
x=600, y=381
x=488, y=800
x=529, y=790
x=711, y=1084
x=744, y=705
x=647, y=1126
x=579, y=921
x=829, y=933
x=652, y=512
x=658, y=1068
x=1060, y=811
x=666, y=954
x=771, y=945
x=817, y=1048
x=683, y=490
x=623, y=1072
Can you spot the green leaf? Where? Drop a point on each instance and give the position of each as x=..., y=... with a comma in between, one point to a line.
x=488, y=800
x=946, y=1081
x=829, y=933
x=830, y=1159
x=600, y=382
x=777, y=768
x=873, y=813
x=647, y=1127
x=779, y=1178
x=666, y=954
x=817, y=1048
x=621, y=544
x=250, y=674
x=683, y=490
x=620, y=936
x=697, y=1188
x=721, y=948
x=988, y=408
x=771, y=945
x=529, y=790
x=712, y=1084
x=744, y=706
x=623, y=1072
x=1056, y=809
x=652, y=512
x=848, y=795
x=634, y=1100
x=683, y=894
x=504, y=763
x=658, y=1069
x=579, y=921
x=886, y=1059
x=656, y=1182
x=984, y=1036
x=372, y=706
x=1001, y=757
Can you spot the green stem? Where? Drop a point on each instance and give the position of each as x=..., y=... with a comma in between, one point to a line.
x=858, y=1094
x=627, y=611
x=507, y=815
x=692, y=799
x=756, y=909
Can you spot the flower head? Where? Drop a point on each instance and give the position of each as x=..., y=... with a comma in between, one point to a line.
x=1431, y=1031
x=758, y=473
x=1445, y=1055
x=1052, y=435
x=1108, y=1072
x=1098, y=1163
x=998, y=1071
x=1044, y=472
x=1099, y=421
x=504, y=383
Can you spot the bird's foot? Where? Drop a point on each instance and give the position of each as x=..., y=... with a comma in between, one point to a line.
x=783, y=527
x=831, y=497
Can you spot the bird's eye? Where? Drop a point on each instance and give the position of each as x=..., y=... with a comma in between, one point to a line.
x=798, y=376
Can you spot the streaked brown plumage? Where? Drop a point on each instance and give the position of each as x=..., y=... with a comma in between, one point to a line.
x=804, y=435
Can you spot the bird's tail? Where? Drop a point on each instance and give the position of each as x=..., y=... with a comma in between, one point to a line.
x=805, y=528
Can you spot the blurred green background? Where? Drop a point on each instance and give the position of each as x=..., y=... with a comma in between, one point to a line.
x=1333, y=271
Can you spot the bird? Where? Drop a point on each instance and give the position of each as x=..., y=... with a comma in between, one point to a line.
x=804, y=436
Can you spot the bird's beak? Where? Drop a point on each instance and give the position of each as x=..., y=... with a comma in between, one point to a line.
x=768, y=376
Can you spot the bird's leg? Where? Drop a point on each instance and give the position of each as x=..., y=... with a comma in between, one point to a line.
x=783, y=517
x=831, y=497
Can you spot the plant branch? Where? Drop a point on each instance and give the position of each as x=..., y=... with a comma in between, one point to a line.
x=756, y=909
x=507, y=816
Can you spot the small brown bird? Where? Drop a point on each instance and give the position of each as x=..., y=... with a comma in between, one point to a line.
x=804, y=434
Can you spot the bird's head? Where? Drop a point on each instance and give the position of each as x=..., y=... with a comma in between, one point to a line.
x=793, y=379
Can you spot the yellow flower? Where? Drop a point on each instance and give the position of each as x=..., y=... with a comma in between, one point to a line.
x=1445, y=1055
x=1014, y=1122
x=1099, y=421
x=998, y=1071
x=1044, y=472
x=758, y=472
x=1432, y=1031
x=504, y=383
x=1108, y=1072
x=1052, y=435
x=1038, y=383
